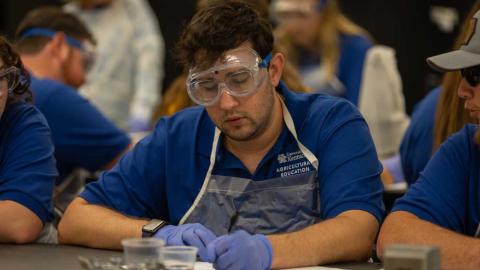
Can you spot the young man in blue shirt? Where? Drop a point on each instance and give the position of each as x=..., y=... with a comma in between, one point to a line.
x=257, y=177
x=442, y=208
x=27, y=167
x=56, y=48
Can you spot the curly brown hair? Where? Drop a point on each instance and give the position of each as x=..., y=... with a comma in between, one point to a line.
x=222, y=26
x=10, y=58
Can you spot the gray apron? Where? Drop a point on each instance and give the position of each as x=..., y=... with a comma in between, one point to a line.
x=283, y=204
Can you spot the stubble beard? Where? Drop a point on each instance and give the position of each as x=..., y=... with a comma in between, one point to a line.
x=252, y=129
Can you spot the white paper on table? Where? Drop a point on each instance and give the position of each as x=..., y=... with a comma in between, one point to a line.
x=208, y=266
x=314, y=268
x=203, y=266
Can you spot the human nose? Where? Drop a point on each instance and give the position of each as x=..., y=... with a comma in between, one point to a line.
x=465, y=90
x=226, y=100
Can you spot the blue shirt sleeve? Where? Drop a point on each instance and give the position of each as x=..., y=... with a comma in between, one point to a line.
x=439, y=196
x=136, y=185
x=27, y=170
x=350, y=67
x=82, y=136
x=349, y=169
x=417, y=143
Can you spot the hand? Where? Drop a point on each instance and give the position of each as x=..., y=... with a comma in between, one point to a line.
x=240, y=251
x=193, y=234
x=138, y=125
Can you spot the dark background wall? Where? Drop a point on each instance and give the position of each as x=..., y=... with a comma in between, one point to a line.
x=404, y=25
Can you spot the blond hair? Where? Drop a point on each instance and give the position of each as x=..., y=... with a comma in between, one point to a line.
x=333, y=23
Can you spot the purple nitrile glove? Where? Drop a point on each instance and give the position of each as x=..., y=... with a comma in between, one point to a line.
x=138, y=125
x=240, y=251
x=193, y=234
x=394, y=165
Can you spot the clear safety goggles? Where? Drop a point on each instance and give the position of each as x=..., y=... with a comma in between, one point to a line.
x=238, y=73
x=88, y=55
x=10, y=77
x=87, y=49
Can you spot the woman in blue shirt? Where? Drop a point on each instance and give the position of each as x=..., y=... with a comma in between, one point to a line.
x=27, y=166
x=335, y=56
x=443, y=208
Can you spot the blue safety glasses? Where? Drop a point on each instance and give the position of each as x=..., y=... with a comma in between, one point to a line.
x=44, y=32
x=87, y=50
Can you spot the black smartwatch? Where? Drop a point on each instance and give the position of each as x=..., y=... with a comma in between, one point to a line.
x=149, y=229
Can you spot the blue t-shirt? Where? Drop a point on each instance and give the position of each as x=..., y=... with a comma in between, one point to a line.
x=163, y=175
x=417, y=143
x=447, y=192
x=27, y=165
x=82, y=136
x=353, y=49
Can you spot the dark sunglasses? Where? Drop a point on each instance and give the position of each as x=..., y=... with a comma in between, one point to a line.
x=471, y=75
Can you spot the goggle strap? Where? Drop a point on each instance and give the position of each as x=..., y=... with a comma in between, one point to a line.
x=45, y=32
x=266, y=60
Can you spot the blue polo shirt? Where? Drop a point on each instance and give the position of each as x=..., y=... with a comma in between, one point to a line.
x=162, y=176
x=27, y=165
x=417, y=143
x=353, y=49
x=448, y=191
x=82, y=136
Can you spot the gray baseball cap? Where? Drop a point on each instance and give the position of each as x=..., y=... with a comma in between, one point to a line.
x=467, y=56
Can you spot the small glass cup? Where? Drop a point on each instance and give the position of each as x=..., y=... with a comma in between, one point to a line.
x=142, y=253
x=179, y=257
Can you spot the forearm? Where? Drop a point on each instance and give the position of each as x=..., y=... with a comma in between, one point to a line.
x=22, y=226
x=96, y=226
x=457, y=251
x=347, y=237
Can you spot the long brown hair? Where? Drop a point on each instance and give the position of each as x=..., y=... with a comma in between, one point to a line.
x=333, y=23
x=10, y=58
x=450, y=115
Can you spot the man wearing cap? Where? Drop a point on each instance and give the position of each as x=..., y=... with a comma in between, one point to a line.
x=56, y=48
x=257, y=177
x=443, y=207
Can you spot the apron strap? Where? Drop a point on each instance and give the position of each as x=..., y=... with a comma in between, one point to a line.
x=291, y=127
x=213, y=156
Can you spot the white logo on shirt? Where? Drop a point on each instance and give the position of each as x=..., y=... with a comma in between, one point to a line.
x=282, y=158
x=296, y=164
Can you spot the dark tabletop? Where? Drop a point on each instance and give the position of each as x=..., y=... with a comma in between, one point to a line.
x=61, y=257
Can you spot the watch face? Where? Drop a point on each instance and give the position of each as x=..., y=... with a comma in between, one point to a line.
x=154, y=225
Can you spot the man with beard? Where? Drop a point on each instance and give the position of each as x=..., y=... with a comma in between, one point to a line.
x=57, y=49
x=256, y=177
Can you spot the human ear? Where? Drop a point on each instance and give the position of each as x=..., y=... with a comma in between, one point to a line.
x=59, y=47
x=275, y=68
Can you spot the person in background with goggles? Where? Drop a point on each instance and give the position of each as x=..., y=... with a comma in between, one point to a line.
x=56, y=48
x=27, y=170
x=443, y=208
x=256, y=177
